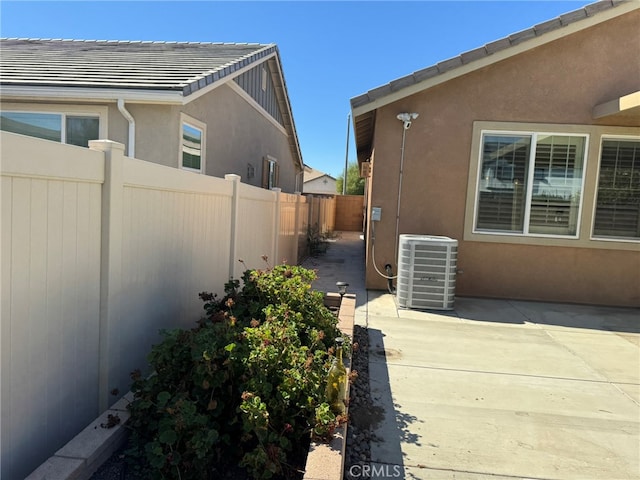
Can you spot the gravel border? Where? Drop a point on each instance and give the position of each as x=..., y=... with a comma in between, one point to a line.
x=358, y=450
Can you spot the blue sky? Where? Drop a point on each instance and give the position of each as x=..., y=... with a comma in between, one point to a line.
x=331, y=51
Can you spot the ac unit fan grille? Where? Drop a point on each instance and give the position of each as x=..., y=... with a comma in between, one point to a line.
x=426, y=272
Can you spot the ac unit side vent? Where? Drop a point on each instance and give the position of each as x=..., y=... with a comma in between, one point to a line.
x=427, y=268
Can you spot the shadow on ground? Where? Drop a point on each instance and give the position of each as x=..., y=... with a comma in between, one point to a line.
x=613, y=319
x=391, y=426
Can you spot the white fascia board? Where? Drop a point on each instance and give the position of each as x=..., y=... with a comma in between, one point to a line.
x=496, y=57
x=10, y=92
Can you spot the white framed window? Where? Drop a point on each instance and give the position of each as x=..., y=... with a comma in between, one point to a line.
x=530, y=183
x=192, y=144
x=617, y=205
x=70, y=126
x=270, y=173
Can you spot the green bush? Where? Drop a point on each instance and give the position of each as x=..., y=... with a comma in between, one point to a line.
x=246, y=386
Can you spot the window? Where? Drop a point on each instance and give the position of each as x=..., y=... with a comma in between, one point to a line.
x=617, y=212
x=270, y=173
x=59, y=127
x=530, y=184
x=192, y=146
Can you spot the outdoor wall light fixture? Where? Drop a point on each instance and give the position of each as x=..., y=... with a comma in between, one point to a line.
x=406, y=118
x=342, y=288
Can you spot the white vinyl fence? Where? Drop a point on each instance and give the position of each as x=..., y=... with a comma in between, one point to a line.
x=99, y=252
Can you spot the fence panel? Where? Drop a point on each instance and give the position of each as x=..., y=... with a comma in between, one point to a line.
x=349, y=213
x=51, y=202
x=288, y=234
x=100, y=252
x=303, y=228
x=255, y=229
x=322, y=213
x=175, y=234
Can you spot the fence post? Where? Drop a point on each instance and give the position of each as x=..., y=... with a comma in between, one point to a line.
x=111, y=256
x=276, y=223
x=235, y=211
x=296, y=229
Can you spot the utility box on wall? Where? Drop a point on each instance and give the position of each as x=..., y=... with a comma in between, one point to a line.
x=426, y=272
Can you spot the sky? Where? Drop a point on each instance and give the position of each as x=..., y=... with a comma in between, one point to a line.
x=331, y=51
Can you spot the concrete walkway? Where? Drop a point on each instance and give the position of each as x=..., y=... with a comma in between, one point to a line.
x=496, y=389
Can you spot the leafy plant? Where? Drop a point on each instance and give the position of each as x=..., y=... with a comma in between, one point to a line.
x=316, y=241
x=246, y=386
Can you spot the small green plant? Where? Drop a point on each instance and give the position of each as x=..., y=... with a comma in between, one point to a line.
x=246, y=386
x=316, y=241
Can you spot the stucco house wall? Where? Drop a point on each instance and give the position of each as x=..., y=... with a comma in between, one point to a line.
x=553, y=87
x=321, y=185
x=242, y=108
x=237, y=135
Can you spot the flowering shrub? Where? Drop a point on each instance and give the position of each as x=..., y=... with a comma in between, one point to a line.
x=246, y=386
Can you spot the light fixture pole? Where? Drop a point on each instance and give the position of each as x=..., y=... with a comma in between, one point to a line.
x=346, y=158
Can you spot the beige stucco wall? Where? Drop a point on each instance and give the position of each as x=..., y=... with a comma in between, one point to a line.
x=557, y=83
x=322, y=184
x=238, y=132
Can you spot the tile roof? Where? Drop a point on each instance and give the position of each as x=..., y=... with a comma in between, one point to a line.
x=312, y=174
x=166, y=66
x=484, y=51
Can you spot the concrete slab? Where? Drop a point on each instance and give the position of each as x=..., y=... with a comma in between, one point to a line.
x=448, y=343
x=611, y=355
x=560, y=316
x=489, y=310
x=497, y=389
x=632, y=391
x=504, y=424
x=381, y=304
x=463, y=397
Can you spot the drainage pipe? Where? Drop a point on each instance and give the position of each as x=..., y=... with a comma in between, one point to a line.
x=131, y=143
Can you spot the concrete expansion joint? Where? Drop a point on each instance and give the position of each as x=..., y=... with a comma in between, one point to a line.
x=474, y=473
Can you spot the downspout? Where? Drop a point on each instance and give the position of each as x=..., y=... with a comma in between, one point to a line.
x=131, y=143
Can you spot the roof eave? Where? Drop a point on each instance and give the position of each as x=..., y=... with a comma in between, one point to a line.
x=281, y=87
x=484, y=56
x=624, y=106
x=24, y=92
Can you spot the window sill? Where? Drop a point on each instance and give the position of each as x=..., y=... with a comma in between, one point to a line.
x=584, y=241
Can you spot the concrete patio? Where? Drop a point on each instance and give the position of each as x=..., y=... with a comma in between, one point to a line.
x=495, y=389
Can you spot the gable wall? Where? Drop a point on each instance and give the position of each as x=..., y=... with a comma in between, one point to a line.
x=238, y=134
x=252, y=82
x=323, y=184
x=558, y=83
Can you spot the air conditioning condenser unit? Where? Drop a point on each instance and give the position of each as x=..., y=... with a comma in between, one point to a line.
x=426, y=272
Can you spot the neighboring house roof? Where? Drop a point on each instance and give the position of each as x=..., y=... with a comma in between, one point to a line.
x=364, y=106
x=312, y=174
x=153, y=72
x=318, y=182
x=183, y=67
